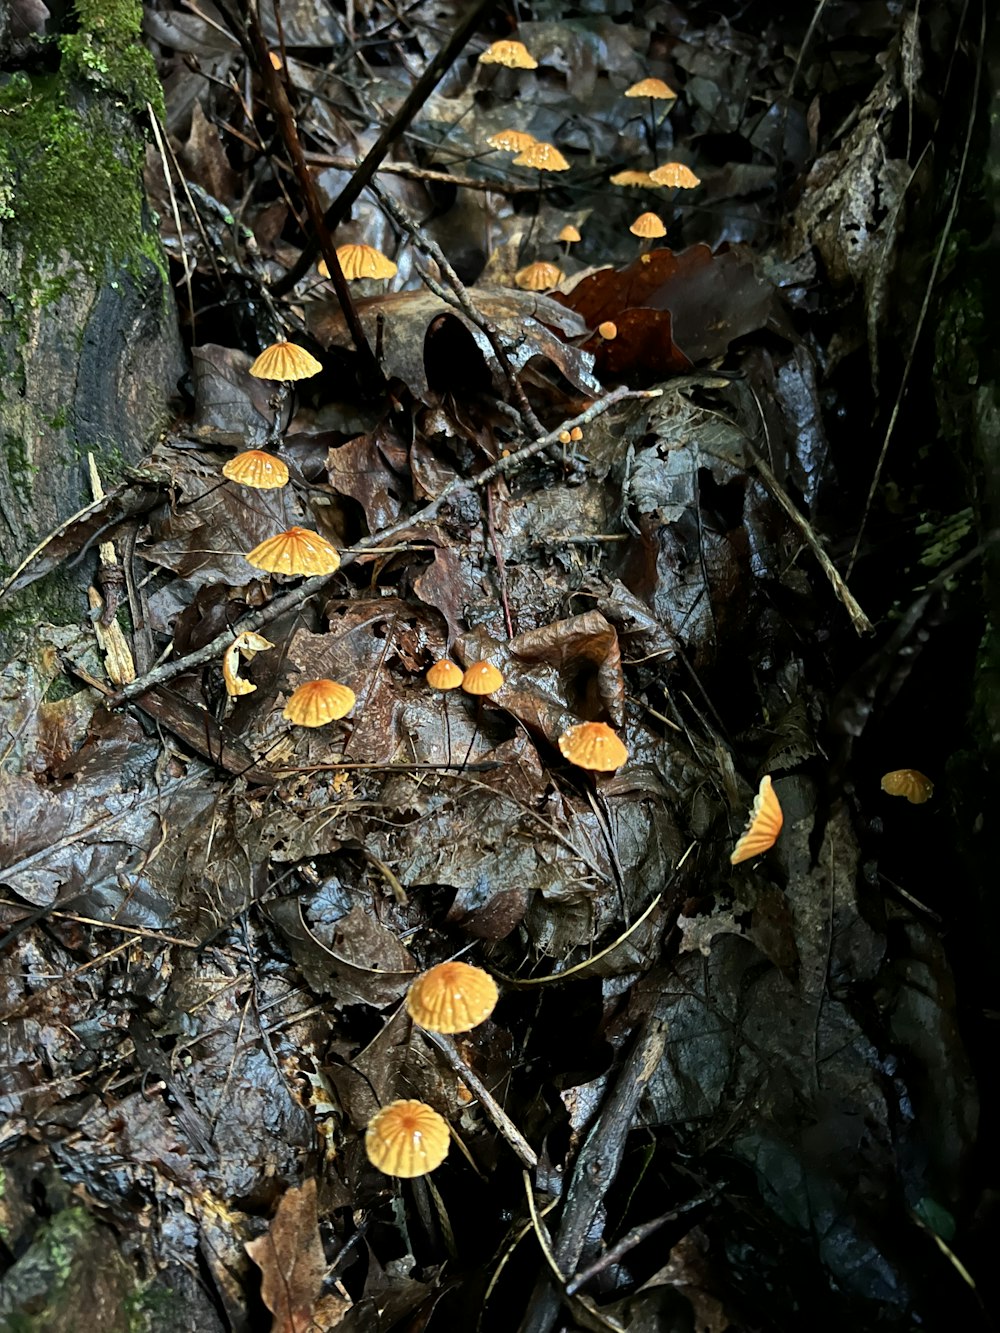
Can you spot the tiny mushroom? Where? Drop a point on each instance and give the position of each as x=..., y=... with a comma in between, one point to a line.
x=482, y=678
x=297, y=551
x=285, y=361
x=361, y=261
x=653, y=88
x=676, y=175
x=539, y=276
x=407, y=1139
x=763, y=826
x=569, y=234
x=318, y=702
x=444, y=675
x=593, y=745
x=648, y=226
x=511, y=141
x=257, y=469
x=608, y=330
x=638, y=180
x=452, y=997
x=510, y=54
x=908, y=782
x=542, y=157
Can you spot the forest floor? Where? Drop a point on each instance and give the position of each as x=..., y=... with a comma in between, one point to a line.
x=693, y=487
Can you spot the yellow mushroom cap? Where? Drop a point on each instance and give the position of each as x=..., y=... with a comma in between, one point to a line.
x=569, y=234
x=654, y=88
x=275, y=60
x=542, y=157
x=763, y=826
x=593, y=745
x=297, y=551
x=648, y=225
x=608, y=330
x=511, y=54
x=676, y=175
x=318, y=702
x=511, y=141
x=539, y=276
x=444, y=675
x=258, y=469
x=285, y=361
x=452, y=997
x=639, y=180
x=407, y=1139
x=482, y=678
x=908, y=782
x=362, y=261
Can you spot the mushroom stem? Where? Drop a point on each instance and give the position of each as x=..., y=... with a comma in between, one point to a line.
x=652, y=135
x=285, y=390
x=475, y=730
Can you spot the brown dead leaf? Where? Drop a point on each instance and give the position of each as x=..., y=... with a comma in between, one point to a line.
x=292, y=1266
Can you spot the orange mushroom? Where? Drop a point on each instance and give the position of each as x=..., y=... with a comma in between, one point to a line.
x=676, y=175
x=285, y=361
x=763, y=826
x=608, y=330
x=637, y=180
x=648, y=226
x=511, y=141
x=297, y=551
x=257, y=469
x=407, y=1139
x=654, y=88
x=451, y=997
x=482, y=678
x=542, y=157
x=569, y=234
x=539, y=276
x=361, y=261
x=510, y=54
x=908, y=782
x=318, y=702
x=593, y=745
x=444, y=675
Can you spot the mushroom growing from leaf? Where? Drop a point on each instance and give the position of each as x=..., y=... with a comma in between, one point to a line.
x=511, y=54
x=594, y=746
x=297, y=551
x=361, y=261
x=248, y=644
x=318, y=702
x=539, y=276
x=259, y=470
x=656, y=91
x=285, y=361
x=407, y=1139
x=763, y=826
x=908, y=782
x=452, y=997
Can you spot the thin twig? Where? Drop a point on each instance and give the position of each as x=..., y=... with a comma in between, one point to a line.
x=410, y=172
x=518, y=1143
x=508, y=466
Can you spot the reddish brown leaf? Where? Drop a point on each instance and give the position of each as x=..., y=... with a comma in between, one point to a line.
x=292, y=1266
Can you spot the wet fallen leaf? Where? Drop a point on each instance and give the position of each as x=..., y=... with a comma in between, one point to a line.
x=292, y=1266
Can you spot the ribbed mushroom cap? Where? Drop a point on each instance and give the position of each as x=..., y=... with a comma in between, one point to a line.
x=654, y=88
x=285, y=361
x=593, y=745
x=676, y=175
x=407, y=1139
x=542, y=157
x=763, y=826
x=318, y=702
x=510, y=54
x=481, y=678
x=444, y=675
x=297, y=551
x=511, y=141
x=361, y=261
x=452, y=997
x=569, y=234
x=638, y=180
x=255, y=468
x=539, y=276
x=908, y=782
x=648, y=226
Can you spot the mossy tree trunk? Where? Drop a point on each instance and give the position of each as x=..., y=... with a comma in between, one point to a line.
x=89, y=350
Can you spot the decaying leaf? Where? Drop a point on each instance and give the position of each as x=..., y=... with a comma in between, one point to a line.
x=292, y=1266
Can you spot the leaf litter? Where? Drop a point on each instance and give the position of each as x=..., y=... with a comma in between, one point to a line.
x=226, y=911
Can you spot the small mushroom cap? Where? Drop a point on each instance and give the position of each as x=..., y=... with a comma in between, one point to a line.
x=285, y=361
x=648, y=226
x=444, y=675
x=569, y=234
x=908, y=782
x=593, y=745
x=318, y=702
x=654, y=88
x=542, y=157
x=511, y=141
x=257, y=469
x=452, y=997
x=676, y=175
x=275, y=60
x=407, y=1139
x=539, y=276
x=362, y=261
x=763, y=826
x=608, y=330
x=511, y=54
x=482, y=678
x=297, y=551
x=638, y=180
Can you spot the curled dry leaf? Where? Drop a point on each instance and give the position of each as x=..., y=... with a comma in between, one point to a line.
x=246, y=644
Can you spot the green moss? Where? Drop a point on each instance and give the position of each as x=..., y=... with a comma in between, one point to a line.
x=107, y=51
x=54, y=599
